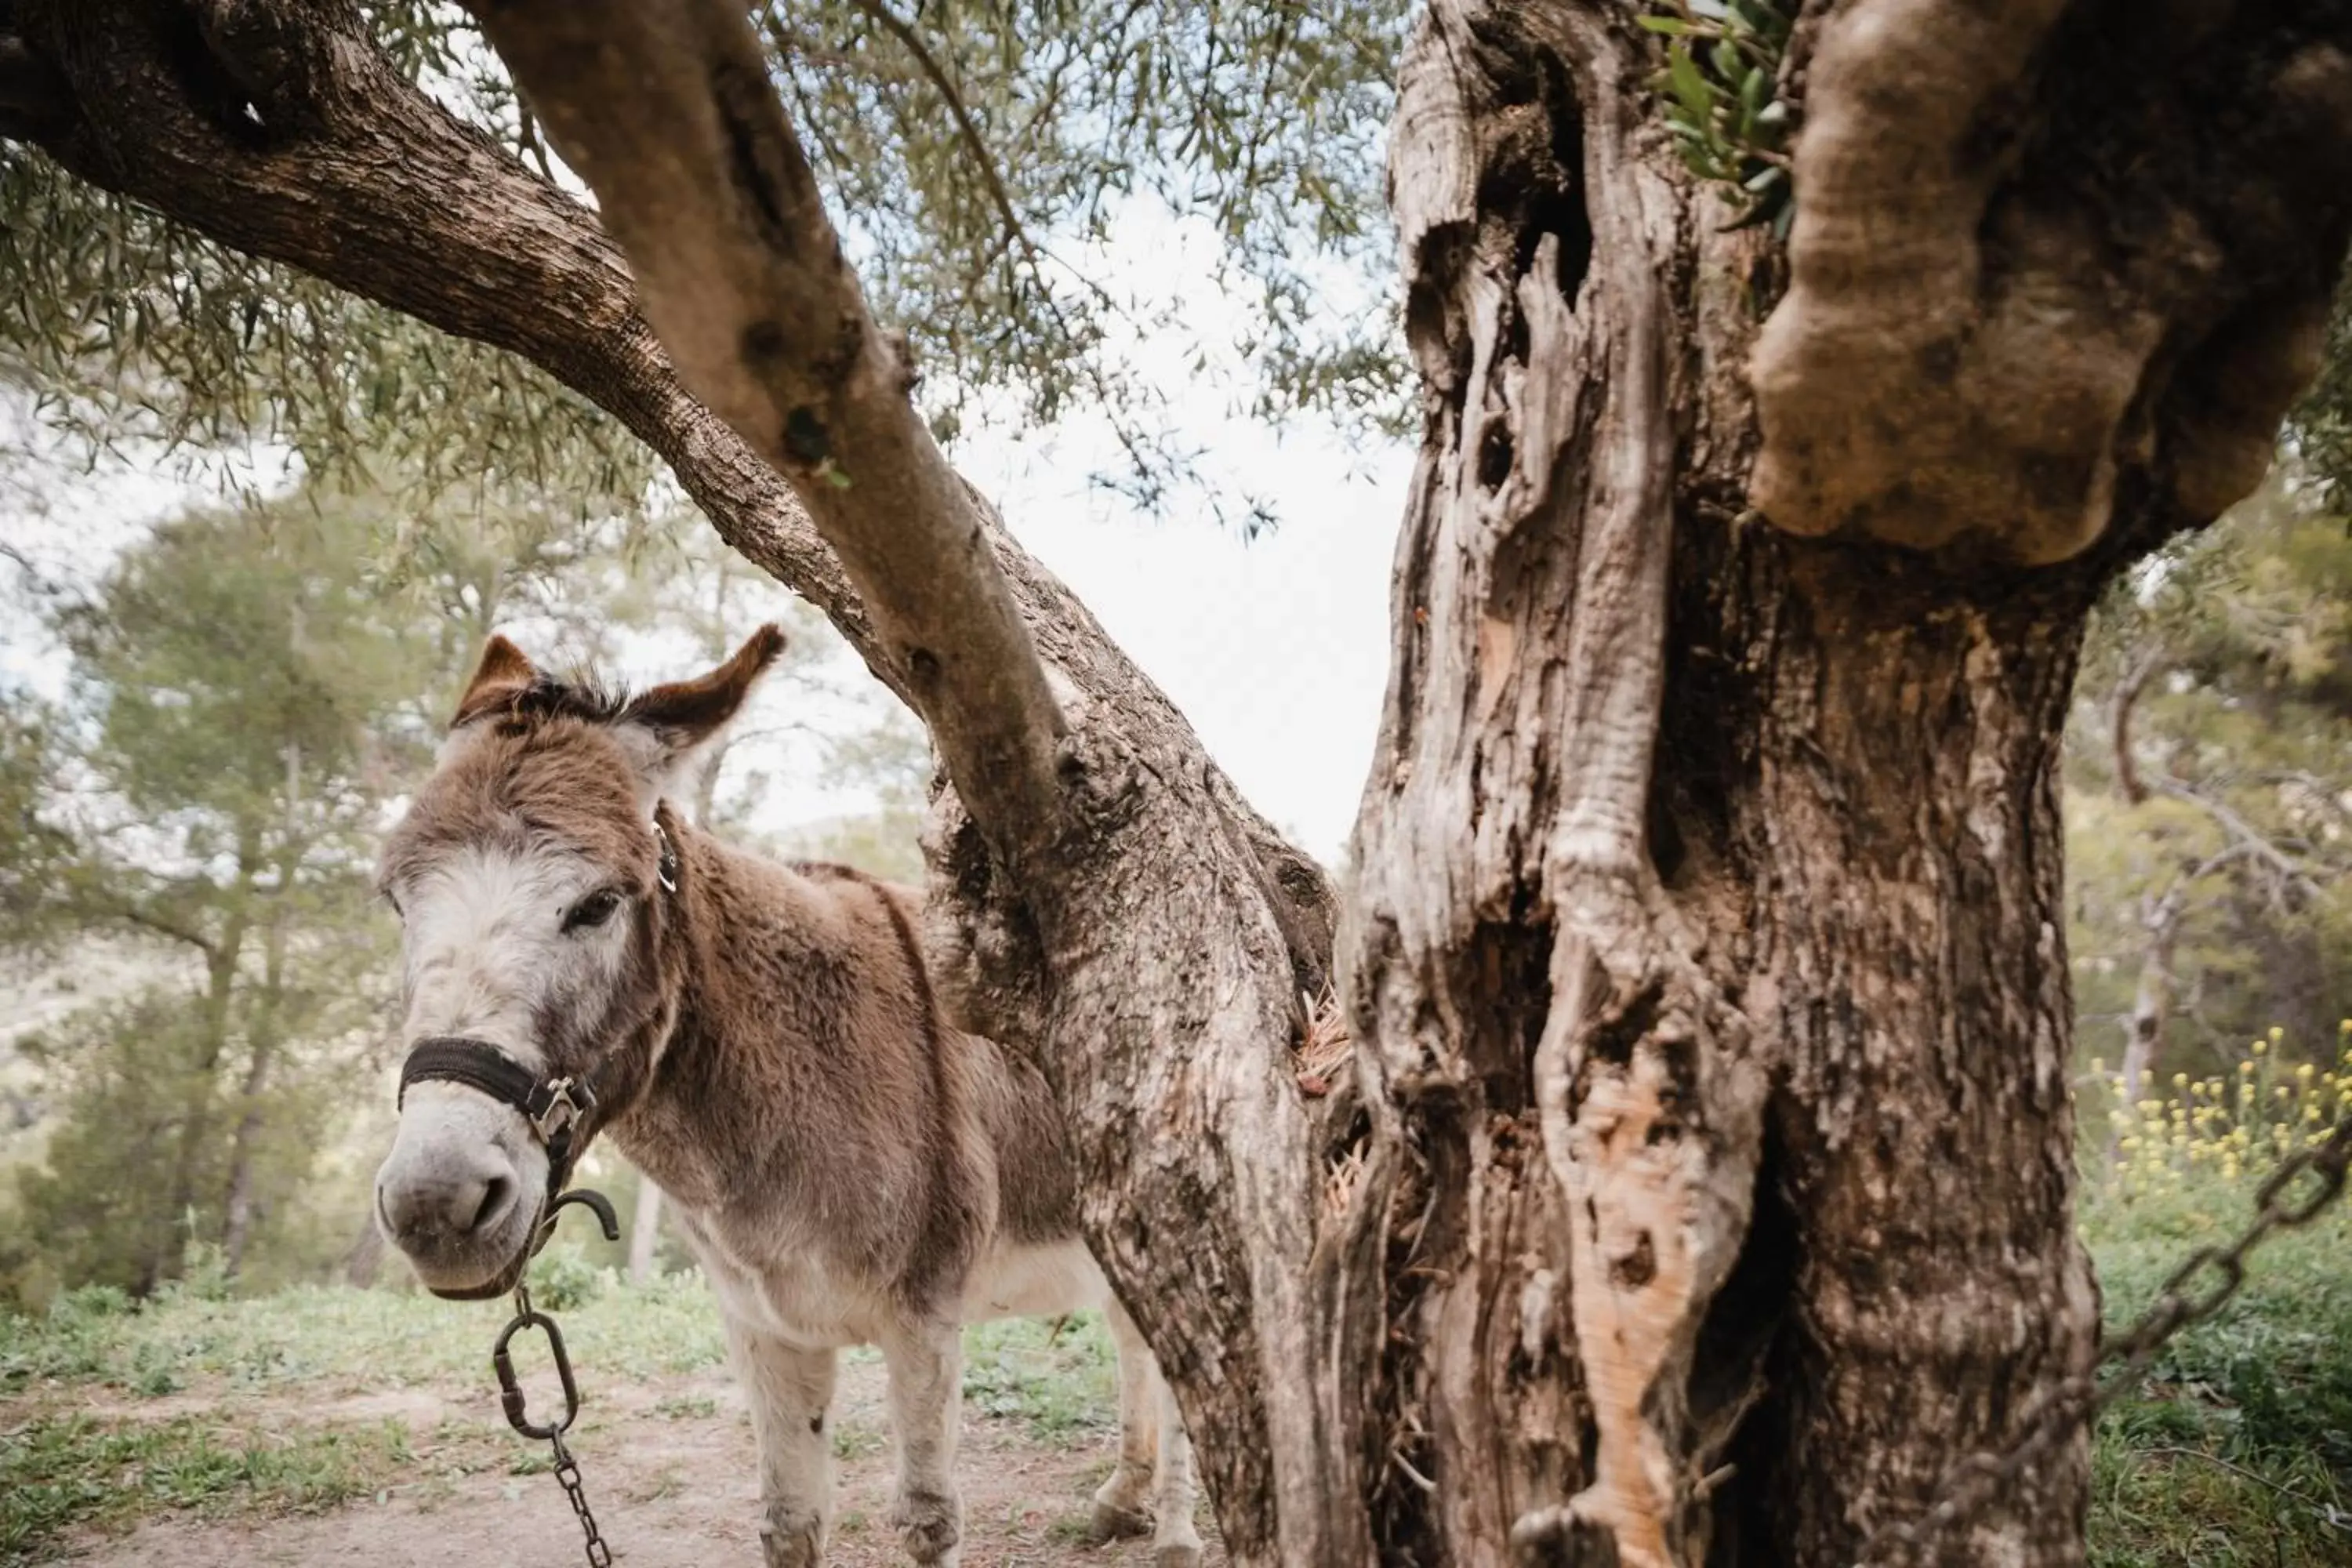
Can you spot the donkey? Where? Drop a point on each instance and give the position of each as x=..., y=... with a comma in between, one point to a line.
x=761, y=1040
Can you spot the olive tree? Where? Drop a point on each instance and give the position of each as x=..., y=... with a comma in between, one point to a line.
x=1790, y=385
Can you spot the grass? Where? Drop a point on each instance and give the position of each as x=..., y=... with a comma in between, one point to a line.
x=2238, y=1451
x=334, y=1339
x=62, y=1472
x=1060, y=1381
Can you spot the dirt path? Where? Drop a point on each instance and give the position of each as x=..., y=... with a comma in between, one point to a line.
x=670, y=1471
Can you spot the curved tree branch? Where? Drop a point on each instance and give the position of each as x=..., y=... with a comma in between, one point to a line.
x=666, y=111
x=390, y=196
x=2127, y=693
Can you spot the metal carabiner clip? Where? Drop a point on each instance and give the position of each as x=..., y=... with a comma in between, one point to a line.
x=510, y=1395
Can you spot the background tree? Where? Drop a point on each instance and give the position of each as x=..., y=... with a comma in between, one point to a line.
x=1708, y=1173
x=2209, y=772
x=211, y=790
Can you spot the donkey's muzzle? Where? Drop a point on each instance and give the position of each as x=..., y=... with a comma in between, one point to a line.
x=464, y=1195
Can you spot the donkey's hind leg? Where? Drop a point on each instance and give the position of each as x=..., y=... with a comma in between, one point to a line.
x=1154, y=1453
x=790, y=1391
x=925, y=1365
x=1121, y=1504
x=1175, y=1544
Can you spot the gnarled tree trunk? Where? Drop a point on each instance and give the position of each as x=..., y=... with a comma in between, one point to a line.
x=1707, y=950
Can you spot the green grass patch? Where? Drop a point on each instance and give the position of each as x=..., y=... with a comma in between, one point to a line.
x=1061, y=1384
x=61, y=1473
x=2238, y=1451
x=342, y=1337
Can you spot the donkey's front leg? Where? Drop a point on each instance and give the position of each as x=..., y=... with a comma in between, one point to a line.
x=790, y=1391
x=926, y=1362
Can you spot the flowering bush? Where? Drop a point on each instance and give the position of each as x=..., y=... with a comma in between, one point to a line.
x=2228, y=1126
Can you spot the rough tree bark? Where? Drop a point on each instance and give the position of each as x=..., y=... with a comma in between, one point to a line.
x=1709, y=1162
x=1708, y=943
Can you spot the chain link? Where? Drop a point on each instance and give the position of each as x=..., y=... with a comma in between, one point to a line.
x=567, y=1471
x=2196, y=1289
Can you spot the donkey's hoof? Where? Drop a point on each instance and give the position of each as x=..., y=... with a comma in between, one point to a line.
x=1176, y=1554
x=789, y=1539
x=1116, y=1521
x=930, y=1524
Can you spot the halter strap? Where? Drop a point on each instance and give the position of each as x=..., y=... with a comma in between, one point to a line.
x=555, y=1107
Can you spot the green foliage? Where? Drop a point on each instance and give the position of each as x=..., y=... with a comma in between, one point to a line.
x=2238, y=643
x=1266, y=121
x=1720, y=92
x=210, y=788
x=562, y=1279
x=131, y=329
x=978, y=158
x=59, y=1472
x=2239, y=1450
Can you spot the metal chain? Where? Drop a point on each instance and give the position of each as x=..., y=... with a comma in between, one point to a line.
x=567, y=1471
x=2205, y=1280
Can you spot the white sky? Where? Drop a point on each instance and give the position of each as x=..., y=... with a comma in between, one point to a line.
x=1276, y=648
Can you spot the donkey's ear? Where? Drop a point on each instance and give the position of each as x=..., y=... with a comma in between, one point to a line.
x=503, y=674
x=680, y=716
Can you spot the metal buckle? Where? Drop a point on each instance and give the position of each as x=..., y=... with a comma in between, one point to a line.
x=666, y=861
x=562, y=1110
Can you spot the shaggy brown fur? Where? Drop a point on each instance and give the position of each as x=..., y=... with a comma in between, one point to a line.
x=763, y=1041
x=806, y=1070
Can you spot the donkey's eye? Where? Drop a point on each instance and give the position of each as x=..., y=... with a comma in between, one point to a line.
x=593, y=910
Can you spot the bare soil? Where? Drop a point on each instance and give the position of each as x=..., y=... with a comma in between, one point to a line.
x=670, y=1471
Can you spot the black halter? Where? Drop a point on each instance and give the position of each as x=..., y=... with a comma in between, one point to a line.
x=561, y=1111
x=556, y=1107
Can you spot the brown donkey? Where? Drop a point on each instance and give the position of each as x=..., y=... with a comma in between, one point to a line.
x=760, y=1040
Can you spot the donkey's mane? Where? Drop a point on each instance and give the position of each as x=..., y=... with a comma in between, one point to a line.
x=581, y=694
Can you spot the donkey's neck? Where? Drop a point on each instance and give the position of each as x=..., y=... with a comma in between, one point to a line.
x=744, y=1061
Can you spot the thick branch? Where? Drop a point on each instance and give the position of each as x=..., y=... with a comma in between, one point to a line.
x=391, y=198
x=2135, y=682
x=663, y=107
x=34, y=97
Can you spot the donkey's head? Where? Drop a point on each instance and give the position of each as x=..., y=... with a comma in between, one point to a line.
x=533, y=882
